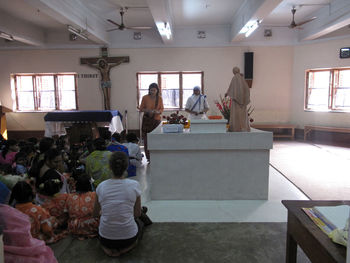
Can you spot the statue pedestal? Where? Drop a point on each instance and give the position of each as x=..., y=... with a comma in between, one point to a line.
x=209, y=166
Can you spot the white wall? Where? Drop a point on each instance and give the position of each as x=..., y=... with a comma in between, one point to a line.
x=311, y=56
x=270, y=94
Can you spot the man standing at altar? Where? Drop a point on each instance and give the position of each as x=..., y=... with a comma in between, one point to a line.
x=197, y=105
x=240, y=94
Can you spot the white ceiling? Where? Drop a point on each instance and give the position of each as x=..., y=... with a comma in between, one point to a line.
x=43, y=23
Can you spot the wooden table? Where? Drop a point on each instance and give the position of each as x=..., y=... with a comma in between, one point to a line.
x=302, y=231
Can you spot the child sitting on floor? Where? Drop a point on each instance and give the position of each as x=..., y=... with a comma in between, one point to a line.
x=80, y=206
x=20, y=163
x=53, y=201
x=135, y=155
x=42, y=223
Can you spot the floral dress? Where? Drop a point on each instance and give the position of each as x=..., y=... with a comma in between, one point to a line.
x=80, y=207
x=42, y=223
x=56, y=205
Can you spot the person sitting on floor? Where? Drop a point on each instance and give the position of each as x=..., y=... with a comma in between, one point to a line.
x=52, y=160
x=54, y=201
x=19, y=244
x=116, y=145
x=80, y=207
x=119, y=201
x=42, y=223
x=135, y=154
x=8, y=178
x=86, y=149
x=97, y=162
x=20, y=163
x=7, y=155
x=45, y=144
x=29, y=150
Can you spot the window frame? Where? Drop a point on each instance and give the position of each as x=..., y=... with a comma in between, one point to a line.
x=333, y=85
x=159, y=74
x=56, y=90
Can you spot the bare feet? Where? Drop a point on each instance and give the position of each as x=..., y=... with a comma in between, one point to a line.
x=115, y=252
x=111, y=252
x=127, y=249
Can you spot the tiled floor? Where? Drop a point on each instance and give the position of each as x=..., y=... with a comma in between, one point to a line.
x=270, y=210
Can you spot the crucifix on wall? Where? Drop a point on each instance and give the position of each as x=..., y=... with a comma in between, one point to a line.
x=104, y=65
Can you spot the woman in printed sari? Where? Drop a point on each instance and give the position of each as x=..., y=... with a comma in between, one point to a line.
x=42, y=223
x=80, y=206
x=54, y=201
x=152, y=107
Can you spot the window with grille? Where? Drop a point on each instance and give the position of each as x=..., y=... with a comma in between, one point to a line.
x=45, y=92
x=328, y=90
x=175, y=87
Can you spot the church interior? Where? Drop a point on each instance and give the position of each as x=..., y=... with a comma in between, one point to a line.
x=291, y=42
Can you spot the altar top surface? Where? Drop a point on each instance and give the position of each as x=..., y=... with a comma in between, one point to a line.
x=79, y=116
x=255, y=139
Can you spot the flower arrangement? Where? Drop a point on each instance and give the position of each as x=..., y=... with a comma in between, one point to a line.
x=175, y=118
x=224, y=106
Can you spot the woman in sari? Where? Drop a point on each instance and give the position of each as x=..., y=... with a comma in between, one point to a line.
x=80, y=206
x=152, y=107
x=19, y=245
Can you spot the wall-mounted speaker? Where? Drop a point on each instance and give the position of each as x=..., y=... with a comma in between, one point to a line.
x=344, y=52
x=248, y=65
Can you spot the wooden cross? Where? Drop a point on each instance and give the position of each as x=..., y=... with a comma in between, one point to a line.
x=104, y=65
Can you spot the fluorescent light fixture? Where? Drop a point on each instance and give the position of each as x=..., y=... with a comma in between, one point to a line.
x=164, y=29
x=78, y=32
x=250, y=27
x=6, y=36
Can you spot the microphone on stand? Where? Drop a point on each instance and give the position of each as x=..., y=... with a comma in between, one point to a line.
x=126, y=121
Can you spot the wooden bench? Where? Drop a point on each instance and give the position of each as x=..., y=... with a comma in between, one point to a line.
x=309, y=128
x=277, y=127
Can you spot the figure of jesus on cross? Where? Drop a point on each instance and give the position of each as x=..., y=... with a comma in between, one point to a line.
x=104, y=65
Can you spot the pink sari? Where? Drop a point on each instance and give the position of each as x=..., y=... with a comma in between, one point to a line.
x=19, y=245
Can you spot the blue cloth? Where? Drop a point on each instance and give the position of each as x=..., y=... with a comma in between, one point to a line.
x=106, y=84
x=20, y=169
x=4, y=193
x=116, y=147
x=79, y=116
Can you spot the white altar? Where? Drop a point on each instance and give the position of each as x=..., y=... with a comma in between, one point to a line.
x=209, y=166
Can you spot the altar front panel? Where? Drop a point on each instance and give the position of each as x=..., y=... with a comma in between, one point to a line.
x=212, y=166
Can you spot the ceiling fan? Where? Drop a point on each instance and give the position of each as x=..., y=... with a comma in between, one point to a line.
x=121, y=26
x=293, y=24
